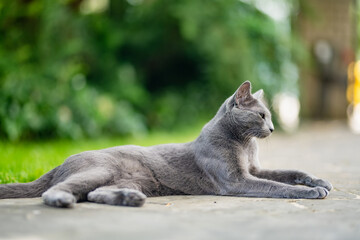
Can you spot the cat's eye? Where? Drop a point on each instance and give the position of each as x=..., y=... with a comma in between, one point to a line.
x=262, y=115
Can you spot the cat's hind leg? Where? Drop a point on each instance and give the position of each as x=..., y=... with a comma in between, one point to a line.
x=75, y=188
x=115, y=195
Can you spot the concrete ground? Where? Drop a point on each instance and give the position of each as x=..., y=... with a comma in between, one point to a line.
x=328, y=151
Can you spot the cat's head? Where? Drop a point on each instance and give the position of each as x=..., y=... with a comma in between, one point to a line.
x=247, y=114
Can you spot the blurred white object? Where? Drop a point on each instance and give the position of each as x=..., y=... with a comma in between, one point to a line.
x=287, y=107
x=354, y=119
x=93, y=6
x=323, y=51
x=279, y=10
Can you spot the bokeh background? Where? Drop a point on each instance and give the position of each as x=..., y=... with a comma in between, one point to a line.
x=94, y=69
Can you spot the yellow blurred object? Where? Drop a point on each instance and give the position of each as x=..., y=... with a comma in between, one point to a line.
x=353, y=96
x=353, y=90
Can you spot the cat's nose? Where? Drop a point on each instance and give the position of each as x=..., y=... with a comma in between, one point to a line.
x=271, y=129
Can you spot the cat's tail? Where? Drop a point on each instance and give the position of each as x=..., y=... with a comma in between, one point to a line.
x=27, y=190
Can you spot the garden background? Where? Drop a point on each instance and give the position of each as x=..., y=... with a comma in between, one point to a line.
x=77, y=75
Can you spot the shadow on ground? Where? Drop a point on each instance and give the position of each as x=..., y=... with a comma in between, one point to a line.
x=328, y=151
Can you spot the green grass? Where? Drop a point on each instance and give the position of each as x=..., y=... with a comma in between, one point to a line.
x=27, y=161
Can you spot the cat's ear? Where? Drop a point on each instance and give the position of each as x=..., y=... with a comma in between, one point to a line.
x=259, y=94
x=243, y=94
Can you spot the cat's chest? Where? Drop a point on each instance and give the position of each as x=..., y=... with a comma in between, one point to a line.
x=247, y=154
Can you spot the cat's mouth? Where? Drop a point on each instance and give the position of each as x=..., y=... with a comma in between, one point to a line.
x=263, y=133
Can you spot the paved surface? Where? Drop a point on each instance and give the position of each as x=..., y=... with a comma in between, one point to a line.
x=329, y=151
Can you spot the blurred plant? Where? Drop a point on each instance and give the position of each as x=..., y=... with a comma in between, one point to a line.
x=81, y=68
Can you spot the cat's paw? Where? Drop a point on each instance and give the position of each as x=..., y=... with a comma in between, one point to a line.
x=315, y=182
x=59, y=199
x=322, y=183
x=129, y=197
x=318, y=192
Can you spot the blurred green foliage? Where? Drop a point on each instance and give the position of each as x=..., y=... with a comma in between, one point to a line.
x=357, y=15
x=81, y=68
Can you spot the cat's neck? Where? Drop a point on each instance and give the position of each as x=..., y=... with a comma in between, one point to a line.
x=220, y=130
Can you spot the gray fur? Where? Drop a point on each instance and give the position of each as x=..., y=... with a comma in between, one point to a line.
x=221, y=161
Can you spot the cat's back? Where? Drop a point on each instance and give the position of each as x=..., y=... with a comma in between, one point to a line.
x=161, y=152
x=157, y=156
x=110, y=160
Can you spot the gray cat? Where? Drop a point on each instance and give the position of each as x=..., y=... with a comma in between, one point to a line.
x=221, y=161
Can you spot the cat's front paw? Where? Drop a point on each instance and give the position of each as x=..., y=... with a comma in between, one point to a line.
x=322, y=183
x=315, y=182
x=318, y=192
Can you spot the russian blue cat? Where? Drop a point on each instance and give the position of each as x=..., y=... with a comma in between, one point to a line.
x=223, y=160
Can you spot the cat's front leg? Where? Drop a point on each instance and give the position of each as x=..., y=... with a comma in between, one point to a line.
x=291, y=177
x=254, y=187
